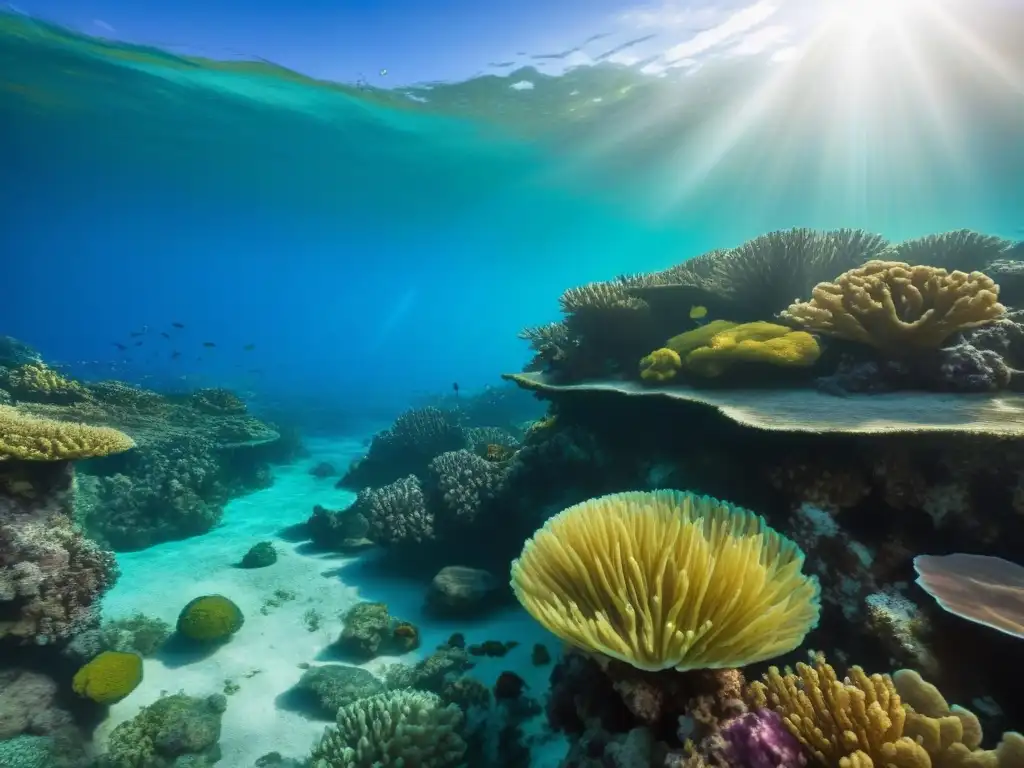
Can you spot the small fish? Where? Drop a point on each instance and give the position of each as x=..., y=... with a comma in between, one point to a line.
x=122, y=347
x=138, y=343
x=249, y=347
x=177, y=325
x=165, y=334
x=455, y=386
x=697, y=312
x=209, y=344
x=175, y=355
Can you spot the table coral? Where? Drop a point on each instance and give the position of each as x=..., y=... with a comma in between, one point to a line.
x=30, y=438
x=898, y=308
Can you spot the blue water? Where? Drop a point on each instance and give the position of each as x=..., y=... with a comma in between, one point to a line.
x=373, y=244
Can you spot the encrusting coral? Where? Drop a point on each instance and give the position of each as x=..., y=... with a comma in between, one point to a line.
x=757, y=342
x=864, y=721
x=898, y=308
x=34, y=439
x=651, y=579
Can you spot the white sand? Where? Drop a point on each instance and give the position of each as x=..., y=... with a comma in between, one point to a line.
x=264, y=657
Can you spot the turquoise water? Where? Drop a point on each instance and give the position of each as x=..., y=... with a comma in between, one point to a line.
x=336, y=253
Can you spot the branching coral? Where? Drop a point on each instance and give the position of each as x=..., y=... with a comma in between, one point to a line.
x=864, y=721
x=29, y=438
x=416, y=437
x=395, y=728
x=396, y=513
x=764, y=274
x=465, y=482
x=651, y=579
x=898, y=308
x=963, y=249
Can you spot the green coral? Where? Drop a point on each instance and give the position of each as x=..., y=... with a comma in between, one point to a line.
x=210, y=618
x=173, y=732
x=396, y=728
x=109, y=677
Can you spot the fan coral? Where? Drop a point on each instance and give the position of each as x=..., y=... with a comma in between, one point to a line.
x=757, y=342
x=651, y=579
x=980, y=588
x=660, y=366
x=210, y=618
x=465, y=482
x=396, y=513
x=395, y=728
x=898, y=308
x=29, y=438
x=863, y=721
x=109, y=677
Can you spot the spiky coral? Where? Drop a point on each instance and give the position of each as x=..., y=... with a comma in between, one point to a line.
x=898, y=308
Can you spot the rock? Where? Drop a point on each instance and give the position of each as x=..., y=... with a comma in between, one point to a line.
x=260, y=556
x=340, y=531
x=460, y=591
x=323, y=470
x=334, y=686
x=370, y=631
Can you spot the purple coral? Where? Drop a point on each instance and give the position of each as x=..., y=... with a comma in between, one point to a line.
x=396, y=513
x=760, y=739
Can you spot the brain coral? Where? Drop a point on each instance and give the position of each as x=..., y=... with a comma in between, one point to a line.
x=109, y=677
x=667, y=580
x=210, y=618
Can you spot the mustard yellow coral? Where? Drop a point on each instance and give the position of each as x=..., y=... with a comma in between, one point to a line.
x=757, y=342
x=896, y=307
x=685, y=343
x=667, y=580
x=36, y=382
x=659, y=366
x=864, y=721
x=33, y=439
x=210, y=618
x=109, y=677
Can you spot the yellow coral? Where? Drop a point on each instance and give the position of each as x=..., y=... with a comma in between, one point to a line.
x=661, y=365
x=109, y=677
x=863, y=721
x=685, y=343
x=667, y=580
x=30, y=438
x=210, y=618
x=757, y=342
x=896, y=307
x=37, y=382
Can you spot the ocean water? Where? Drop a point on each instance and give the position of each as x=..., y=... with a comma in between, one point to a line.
x=336, y=254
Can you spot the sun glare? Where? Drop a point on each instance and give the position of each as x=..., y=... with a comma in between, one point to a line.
x=867, y=14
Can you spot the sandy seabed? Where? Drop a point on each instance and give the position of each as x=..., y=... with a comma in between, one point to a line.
x=264, y=658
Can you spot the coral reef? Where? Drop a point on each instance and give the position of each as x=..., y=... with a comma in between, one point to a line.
x=371, y=631
x=333, y=686
x=396, y=513
x=51, y=575
x=259, y=555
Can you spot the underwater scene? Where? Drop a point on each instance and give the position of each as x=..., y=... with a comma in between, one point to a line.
x=567, y=385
